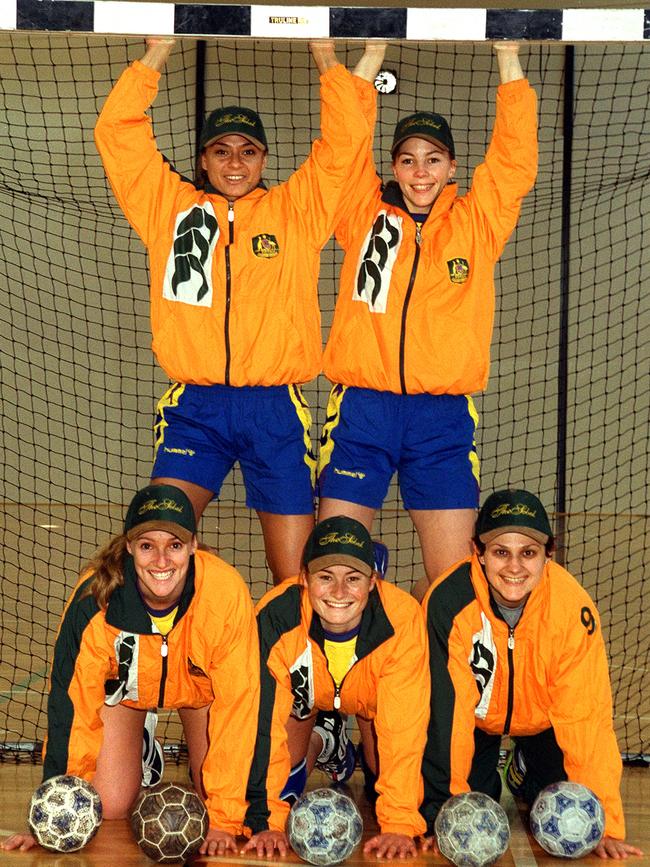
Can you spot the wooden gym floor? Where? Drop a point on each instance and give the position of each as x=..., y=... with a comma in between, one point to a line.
x=114, y=844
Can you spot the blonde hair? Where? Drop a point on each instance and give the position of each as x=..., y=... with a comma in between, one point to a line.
x=107, y=569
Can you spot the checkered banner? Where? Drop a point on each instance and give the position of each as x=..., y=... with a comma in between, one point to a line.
x=314, y=22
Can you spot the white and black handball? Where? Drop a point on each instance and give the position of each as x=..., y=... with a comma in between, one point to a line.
x=472, y=830
x=567, y=820
x=324, y=827
x=169, y=822
x=65, y=813
x=386, y=81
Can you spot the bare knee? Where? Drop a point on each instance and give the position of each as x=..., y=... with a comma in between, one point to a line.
x=445, y=537
x=117, y=804
x=284, y=541
x=331, y=508
x=118, y=775
x=420, y=588
x=197, y=495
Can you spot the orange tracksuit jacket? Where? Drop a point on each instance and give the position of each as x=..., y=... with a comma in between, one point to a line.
x=549, y=671
x=233, y=287
x=388, y=683
x=415, y=308
x=111, y=656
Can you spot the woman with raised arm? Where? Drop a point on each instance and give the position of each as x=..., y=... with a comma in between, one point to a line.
x=234, y=307
x=412, y=327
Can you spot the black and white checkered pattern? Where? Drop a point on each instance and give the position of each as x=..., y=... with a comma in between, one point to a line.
x=129, y=17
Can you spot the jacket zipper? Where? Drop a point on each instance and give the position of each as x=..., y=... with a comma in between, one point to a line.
x=231, y=238
x=511, y=678
x=402, y=337
x=337, y=689
x=164, y=650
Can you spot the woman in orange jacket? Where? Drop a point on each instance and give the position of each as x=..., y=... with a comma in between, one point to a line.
x=234, y=272
x=338, y=637
x=517, y=649
x=155, y=622
x=413, y=322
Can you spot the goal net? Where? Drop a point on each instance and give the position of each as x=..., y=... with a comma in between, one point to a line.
x=566, y=410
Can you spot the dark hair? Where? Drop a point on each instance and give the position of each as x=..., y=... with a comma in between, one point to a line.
x=200, y=174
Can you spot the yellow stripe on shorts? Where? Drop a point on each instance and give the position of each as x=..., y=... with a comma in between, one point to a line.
x=331, y=420
x=304, y=414
x=169, y=398
x=473, y=456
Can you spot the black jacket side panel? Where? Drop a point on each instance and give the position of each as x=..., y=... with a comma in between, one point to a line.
x=448, y=599
x=60, y=711
x=280, y=616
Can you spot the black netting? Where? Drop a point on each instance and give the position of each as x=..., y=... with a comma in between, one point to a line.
x=79, y=382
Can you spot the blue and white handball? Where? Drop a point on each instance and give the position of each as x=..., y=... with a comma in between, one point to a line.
x=324, y=827
x=567, y=820
x=472, y=830
x=65, y=813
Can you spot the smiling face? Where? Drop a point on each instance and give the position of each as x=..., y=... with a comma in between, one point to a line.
x=514, y=565
x=338, y=594
x=234, y=165
x=161, y=562
x=422, y=169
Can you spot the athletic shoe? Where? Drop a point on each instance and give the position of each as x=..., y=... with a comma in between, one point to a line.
x=514, y=772
x=338, y=755
x=153, y=762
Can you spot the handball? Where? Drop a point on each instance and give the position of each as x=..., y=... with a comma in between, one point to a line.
x=169, y=822
x=65, y=813
x=324, y=827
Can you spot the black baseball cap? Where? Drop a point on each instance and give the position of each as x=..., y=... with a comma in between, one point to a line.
x=339, y=540
x=513, y=511
x=233, y=119
x=427, y=125
x=160, y=507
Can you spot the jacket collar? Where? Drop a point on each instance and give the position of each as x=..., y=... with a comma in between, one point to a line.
x=213, y=191
x=392, y=195
x=125, y=610
x=375, y=627
x=482, y=589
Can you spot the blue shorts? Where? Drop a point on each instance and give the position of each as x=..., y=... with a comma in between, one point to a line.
x=201, y=430
x=428, y=439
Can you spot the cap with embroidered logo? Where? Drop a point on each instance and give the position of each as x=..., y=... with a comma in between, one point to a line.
x=233, y=120
x=339, y=541
x=427, y=125
x=160, y=507
x=513, y=511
